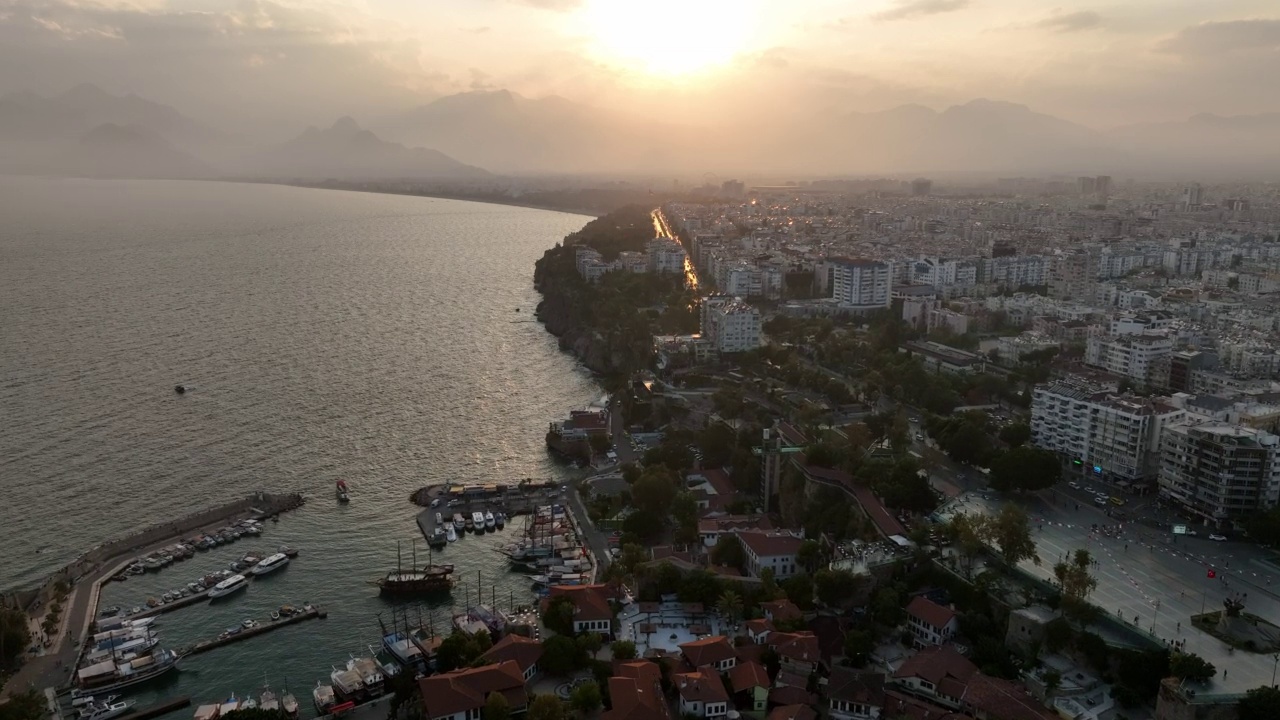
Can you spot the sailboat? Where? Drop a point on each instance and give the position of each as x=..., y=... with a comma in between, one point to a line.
x=430, y=579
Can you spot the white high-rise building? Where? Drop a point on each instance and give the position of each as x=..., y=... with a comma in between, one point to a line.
x=862, y=283
x=730, y=324
x=1129, y=356
x=1220, y=472
x=1116, y=437
x=665, y=256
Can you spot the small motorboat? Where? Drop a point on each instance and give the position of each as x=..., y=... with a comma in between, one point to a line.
x=450, y=535
x=275, y=615
x=343, y=494
x=109, y=611
x=180, y=389
x=489, y=520
x=288, y=551
x=248, y=624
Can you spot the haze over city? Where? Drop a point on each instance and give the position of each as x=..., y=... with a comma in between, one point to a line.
x=1151, y=88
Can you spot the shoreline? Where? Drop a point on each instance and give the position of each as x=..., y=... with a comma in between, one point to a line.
x=437, y=196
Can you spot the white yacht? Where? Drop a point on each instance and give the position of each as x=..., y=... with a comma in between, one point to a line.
x=271, y=563
x=477, y=520
x=450, y=534
x=228, y=586
x=488, y=519
x=459, y=522
x=105, y=711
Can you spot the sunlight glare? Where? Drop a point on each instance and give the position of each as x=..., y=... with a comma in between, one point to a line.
x=670, y=37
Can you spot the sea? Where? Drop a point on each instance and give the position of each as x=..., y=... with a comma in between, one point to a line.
x=385, y=340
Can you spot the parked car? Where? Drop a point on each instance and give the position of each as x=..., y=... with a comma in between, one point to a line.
x=1074, y=485
x=1217, y=537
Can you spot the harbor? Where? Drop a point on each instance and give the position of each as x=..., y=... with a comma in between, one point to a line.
x=252, y=628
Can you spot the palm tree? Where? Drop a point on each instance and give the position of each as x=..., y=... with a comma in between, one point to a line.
x=730, y=605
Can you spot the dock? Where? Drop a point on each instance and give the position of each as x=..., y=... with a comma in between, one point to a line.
x=163, y=708
x=169, y=606
x=309, y=613
x=512, y=502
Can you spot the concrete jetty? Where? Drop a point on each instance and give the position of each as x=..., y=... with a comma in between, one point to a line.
x=159, y=709
x=309, y=612
x=87, y=573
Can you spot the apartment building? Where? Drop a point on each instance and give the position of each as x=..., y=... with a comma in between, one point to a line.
x=730, y=324
x=865, y=284
x=773, y=550
x=1220, y=472
x=665, y=256
x=1129, y=356
x=1112, y=436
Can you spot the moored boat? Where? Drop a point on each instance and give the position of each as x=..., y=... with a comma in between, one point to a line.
x=450, y=534
x=489, y=520
x=271, y=564
x=228, y=586
x=459, y=522
x=323, y=697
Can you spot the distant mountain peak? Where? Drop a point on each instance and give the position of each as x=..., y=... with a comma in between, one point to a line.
x=85, y=93
x=346, y=124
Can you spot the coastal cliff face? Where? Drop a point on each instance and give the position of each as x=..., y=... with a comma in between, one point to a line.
x=606, y=325
x=565, y=298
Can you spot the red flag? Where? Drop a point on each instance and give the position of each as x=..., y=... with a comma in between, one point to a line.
x=1212, y=574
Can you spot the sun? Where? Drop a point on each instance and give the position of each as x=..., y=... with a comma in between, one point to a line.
x=669, y=37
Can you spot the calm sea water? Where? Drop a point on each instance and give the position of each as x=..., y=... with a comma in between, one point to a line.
x=327, y=334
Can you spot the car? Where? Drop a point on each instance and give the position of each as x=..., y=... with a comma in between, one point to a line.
x=1100, y=500
x=435, y=503
x=1218, y=538
x=1089, y=490
x=920, y=436
x=1074, y=485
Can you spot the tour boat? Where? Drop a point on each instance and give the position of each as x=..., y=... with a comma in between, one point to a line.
x=289, y=704
x=343, y=496
x=271, y=564
x=477, y=521
x=489, y=520
x=437, y=539
x=108, y=676
x=459, y=522
x=228, y=586
x=500, y=519
x=268, y=701
x=323, y=697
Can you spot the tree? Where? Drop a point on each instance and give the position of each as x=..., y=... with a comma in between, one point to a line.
x=799, y=590
x=1057, y=634
x=559, y=615
x=643, y=524
x=730, y=605
x=1011, y=532
x=684, y=511
x=717, y=442
x=600, y=444
x=15, y=637
x=835, y=588
x=1025, y=469
x=1076, y=583
x=546, y=707
x=728, y=552
x=585, y=697
x=589, y=643
x=809, y=556
x=460, y=649
x=1260, y=703
x=655, y=490
x=1015, y=434
x=496, y=707
x=1052, y=679
x=1192, y=667
x=623, y=650
x=888, y=608
x=561, y=655
x=967, y=533
x=632, y=556
x=25, y=705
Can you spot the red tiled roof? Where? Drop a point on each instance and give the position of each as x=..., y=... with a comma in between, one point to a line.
x=1000, y=698
x=791, y=695
x=831, y=475
x=524, y=651
x=719, y=480
x=898, y=704
x=800, y=646
x=930, y=612
x=793, y=679
x=767, y=544
x=727, y=523
x=708, y=651
x=702, y=684
x=791, y=434
x=759, y=626
x=879, y=514
x=635, y=691
x=590, y=602
x=858, y=686
x=747, y=675
x=793, y=712
x=461, y=690
x=781, y=610
x=935, y=664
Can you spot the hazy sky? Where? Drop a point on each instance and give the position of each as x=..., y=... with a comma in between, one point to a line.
x=258, y=62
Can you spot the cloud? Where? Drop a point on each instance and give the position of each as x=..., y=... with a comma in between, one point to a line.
x=918, y=8
x=1212, y=38
x=556, y=5
x=1072, y=22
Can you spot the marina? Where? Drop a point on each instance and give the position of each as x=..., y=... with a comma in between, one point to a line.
x=268, y=414
x=247, y=630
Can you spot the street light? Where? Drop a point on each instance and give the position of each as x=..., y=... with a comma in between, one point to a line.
x=1153, y=618
x=1275, y=659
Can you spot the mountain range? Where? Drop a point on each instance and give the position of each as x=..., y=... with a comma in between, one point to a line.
x=89, y=131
